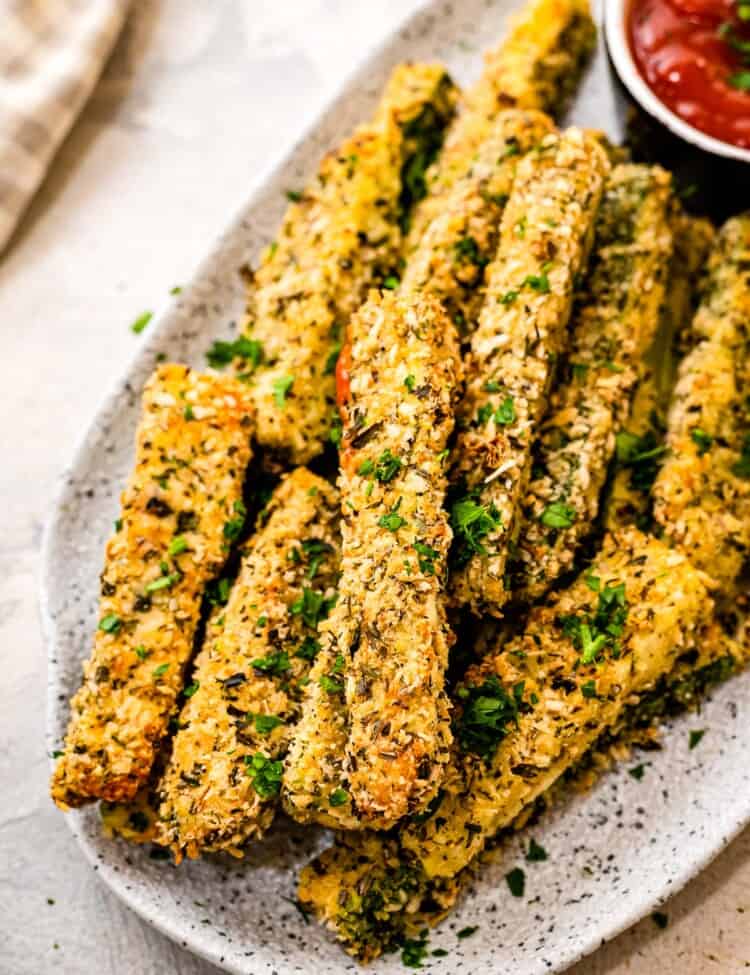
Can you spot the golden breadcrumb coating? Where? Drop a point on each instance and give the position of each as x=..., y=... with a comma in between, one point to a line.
x=545, y=238
x=222, y=780
x=180, y=511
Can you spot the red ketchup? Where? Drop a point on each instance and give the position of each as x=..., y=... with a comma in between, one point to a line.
x=695, y=57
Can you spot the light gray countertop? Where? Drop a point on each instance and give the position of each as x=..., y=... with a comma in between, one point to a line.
x=198, y=99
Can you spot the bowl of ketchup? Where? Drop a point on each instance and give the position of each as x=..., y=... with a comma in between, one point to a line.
x=687, y=63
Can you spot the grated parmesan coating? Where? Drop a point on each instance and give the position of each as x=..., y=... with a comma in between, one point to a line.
x=341, y=237
x=537, y=66
x=545, y=238
x=192, y=452
x=614, y=323
x=248, y=679
x=385, y=645
x=371, y=888
x=642, y=451
x=455, y=248
x=702, y=492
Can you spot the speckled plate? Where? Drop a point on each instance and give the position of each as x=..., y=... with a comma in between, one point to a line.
x=614, y=854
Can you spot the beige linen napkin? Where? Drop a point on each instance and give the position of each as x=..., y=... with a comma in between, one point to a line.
x=51, y=54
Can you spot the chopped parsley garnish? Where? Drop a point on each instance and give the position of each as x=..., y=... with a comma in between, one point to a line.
x=330, y=682
x=695, y=737
x=467, y=931
x=161, y=670
x=427, y=556
x=265, y=774
x=265, y=723
x=471, y=522
x=281, y=387
x=491, y=387
x=641, y=455
x=223, y=353
x=516, y=881
x=742, y=467
x=294, y=196
x=274, y=663
x=538, y=282
x=637, y=772
x=217, y=592
x=141, y=322
x=592, y=633
x=308, y=649
x=392, y=521
x=660, y=920
x=506, y=412
x=740, y=80
x=508, y=298
x=410, y=382
x=333, y=358
x=191, y=688
x=414, y=950
x=535, y=853
x=316, y=551
x=338, y=797
x=387, y=467
x=188, y=412
x=110, y=623
x=466, y=251
x=366, y=468
x=177, y=545
x=702, y=440
x=391, y=282
x=141, y=652
x=312, y=606
x=588, y=689
x=233, y=527
x=484, y=413
x=487, y=710
x=558, y=515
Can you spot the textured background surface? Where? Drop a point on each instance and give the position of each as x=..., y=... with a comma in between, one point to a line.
x=196, y=102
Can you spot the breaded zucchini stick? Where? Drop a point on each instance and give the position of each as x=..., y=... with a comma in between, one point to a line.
x=702, y=492
x=342, y=236
x=529, y=713
x=222, y=779
x=387, y=641
x=615, y=321
x=545, y=238
x=537, y=66
x=180, y=512
x=450, y=258
x=640, y=446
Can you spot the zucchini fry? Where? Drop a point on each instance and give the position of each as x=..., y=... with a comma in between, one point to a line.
x=387, y=640
x=221, y=784
x=640, y=446
x=340, y=238
x=538, y=66
x=180, y=512
x=450, y=258
x=545, y=238
x=615, y=321
x=702, y=492
x=528, y=714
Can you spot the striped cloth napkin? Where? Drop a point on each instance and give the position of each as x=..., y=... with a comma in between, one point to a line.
x=51, y=55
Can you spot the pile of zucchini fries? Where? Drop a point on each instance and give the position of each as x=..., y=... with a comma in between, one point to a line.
x=521, y=375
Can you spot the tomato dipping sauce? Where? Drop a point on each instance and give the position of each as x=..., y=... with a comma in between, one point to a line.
x=695, y=56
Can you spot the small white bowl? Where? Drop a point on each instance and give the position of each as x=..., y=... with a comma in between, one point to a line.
x=616, y=34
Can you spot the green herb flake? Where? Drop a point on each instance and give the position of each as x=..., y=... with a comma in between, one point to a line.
x=163, y=582
x=391, y=282
x=312, y=606
x=414, y=951
x=695, y=737
x=141, y=652
x=487, y=710
x=223, y=353
x=308, y=649
x=537, y=282
x=281, y=387
x=742, y=467
x=338, y=797
x=535, y=853
x=508, y=298
x=467, y=931
x=178, y=545
x=265, y=723
x=161, y=670
x=387, y=467
x=141, y=322
x=275, y=663
x=589, y=689
x=410, y=382
x=427, y=556
x=740, y=80
x=702, y=440
x=505, y=414
x=366, y=468
x=294, y=196
x=516, y=880
x=637, y=772
x=111, y=623
x=392, y=521
x=233, y=527
x=472, y=522
x=265, y=774
x=191, y=688
x=558, y=515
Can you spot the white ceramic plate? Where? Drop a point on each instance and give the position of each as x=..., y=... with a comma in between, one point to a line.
x=613, y=855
